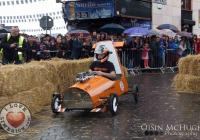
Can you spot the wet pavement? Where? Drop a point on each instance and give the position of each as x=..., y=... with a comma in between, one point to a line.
x=160, y=114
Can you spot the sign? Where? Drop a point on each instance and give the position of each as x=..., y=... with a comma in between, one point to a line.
x=164, y=2
x=46, y=23
x=128, y=23
x=78, y=26
x=89, y=9
x=15, y=118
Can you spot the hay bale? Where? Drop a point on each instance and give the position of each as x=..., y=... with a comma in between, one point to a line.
x=34, y=83
x=125, y=72
x=186, y=83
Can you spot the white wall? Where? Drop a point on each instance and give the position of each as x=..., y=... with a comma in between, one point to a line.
x=195, y=16
x=169, y=14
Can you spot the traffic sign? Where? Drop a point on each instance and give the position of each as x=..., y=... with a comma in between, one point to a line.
x=46, y=23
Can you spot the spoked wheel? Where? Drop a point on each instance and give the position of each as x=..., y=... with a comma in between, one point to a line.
x=135, y=93
x=56, y=104
x=113, y=104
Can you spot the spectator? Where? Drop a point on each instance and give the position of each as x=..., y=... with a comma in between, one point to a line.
x=181, y=51
x=154, y=47
x=172, y=53
x=197, y=47
x=62, y=48
x=77, y=47
x=45, y=49
x=161, y=52
x=13, y=45
x=32, y=49
x=70, y=42
x=145, y=55
x=53, y=47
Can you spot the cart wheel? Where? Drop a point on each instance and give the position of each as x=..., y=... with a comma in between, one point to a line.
x=135, y=93
x=113, y=104
x=55, y=104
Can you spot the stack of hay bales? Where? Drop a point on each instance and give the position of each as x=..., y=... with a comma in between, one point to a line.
x=188, y=78
x=34, y=83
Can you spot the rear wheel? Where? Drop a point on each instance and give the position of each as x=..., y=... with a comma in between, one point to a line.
x=56, y=104
x=113, y=104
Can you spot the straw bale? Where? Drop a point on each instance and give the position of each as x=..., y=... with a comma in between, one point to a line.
x=186, y=83
x=4, y=101
x=125, y=71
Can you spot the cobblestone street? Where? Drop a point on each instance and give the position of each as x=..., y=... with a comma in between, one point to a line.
x=159, y=109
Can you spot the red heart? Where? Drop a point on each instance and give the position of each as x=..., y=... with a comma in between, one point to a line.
x=15, y=119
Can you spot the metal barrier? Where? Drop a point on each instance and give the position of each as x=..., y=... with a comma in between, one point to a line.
x=156, y=60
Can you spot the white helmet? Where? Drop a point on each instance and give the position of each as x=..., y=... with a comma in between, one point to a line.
x=101, y=50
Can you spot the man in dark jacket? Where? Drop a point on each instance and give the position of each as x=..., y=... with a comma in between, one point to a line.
x=77, y=47
x=32, y=49
x=11, y=49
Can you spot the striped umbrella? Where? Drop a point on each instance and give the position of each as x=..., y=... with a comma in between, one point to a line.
x=76, y=32
x=168, y=26
x=185, y=34
x=167, y=32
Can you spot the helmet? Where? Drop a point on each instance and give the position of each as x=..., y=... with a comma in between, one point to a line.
x=102, y=50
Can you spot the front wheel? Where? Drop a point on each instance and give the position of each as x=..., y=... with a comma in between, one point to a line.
x=56, y=104
x=113, y=104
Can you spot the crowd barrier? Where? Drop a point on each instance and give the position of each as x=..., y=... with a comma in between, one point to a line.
x=132, y=59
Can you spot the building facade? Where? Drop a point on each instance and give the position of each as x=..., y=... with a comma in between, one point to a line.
x=184, y=14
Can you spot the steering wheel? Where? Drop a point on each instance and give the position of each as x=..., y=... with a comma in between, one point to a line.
x=93, y=73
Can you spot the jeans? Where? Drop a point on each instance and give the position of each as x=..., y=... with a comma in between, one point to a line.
x=6, y=61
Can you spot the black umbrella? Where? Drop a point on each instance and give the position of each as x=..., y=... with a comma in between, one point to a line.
x=2, y=30
x=112, y=28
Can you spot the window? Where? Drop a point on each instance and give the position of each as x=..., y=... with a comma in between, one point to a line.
x=12, y=2
x=22, y=1
x=7, y=17
x=186, y=5
x=58, y=12
x=50, y=14
x=30, y=1
x=8, y=2
x=10, y=17
x=30, y=16
x=34, y=0
x=3, y=3
x=0, y=3
x=26, y=1
x=20, y=17
x=4, y=17
x=24, y=17
x=17, y=2
x=13, y=17
x=33, y=16
x=17, y=17
x=0, y=17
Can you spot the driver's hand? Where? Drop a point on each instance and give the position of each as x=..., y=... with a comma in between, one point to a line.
x=100, y=73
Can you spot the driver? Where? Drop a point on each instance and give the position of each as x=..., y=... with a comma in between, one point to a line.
x=102, y=66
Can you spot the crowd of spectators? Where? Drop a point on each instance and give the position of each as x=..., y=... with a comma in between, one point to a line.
x=143, y=51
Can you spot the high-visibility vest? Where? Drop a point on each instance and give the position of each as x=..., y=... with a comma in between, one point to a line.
x=20, y=42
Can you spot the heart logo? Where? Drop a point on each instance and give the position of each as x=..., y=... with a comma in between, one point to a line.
x=15, y=119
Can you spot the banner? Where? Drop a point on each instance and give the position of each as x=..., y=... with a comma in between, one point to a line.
x=89, y=9
x=128, y=23
x=164, y=2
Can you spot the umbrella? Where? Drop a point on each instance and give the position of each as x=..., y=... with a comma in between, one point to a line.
x=137, y=31
x=167, y=32
x=2, y=30
x=76, y=32
x=153, y=32
x=184, y=33
x=168, y=26
x=112, y=28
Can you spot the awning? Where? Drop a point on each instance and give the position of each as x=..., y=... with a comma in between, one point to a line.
x=187, y=21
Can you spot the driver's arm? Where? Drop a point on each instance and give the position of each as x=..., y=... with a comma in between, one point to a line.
x=110, y=75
